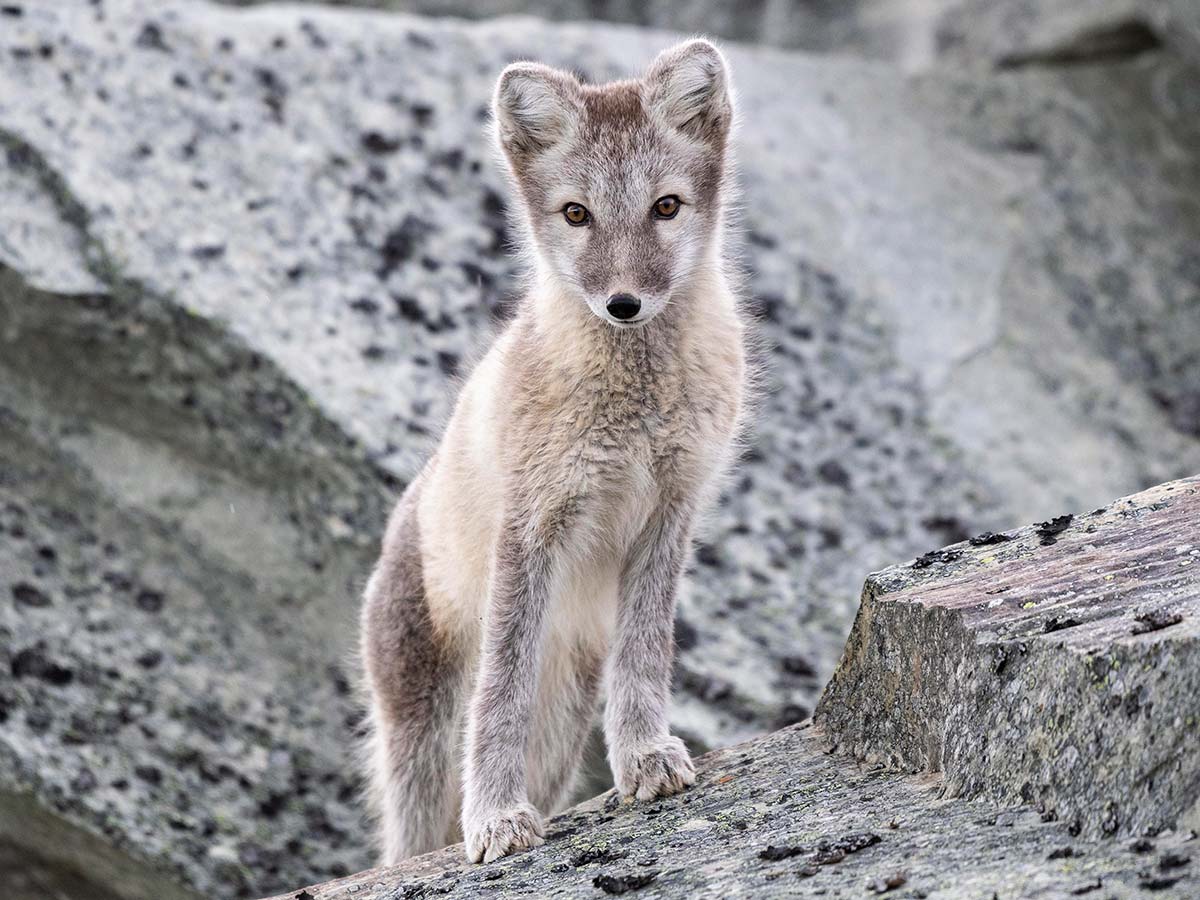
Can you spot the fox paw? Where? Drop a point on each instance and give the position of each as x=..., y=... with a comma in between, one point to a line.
x=657, y=769
x=498, y=833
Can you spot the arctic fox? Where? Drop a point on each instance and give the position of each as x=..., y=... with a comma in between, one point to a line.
x=539, y=552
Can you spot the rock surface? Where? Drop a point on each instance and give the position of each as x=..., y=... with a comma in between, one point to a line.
x=781, y=817
x=167, y=684
x=901, y=31
x=245, y=256
x=912, y=34
x=1056, y=665
x=1016, y=33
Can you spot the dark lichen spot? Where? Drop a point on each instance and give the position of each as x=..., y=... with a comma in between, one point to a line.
x=315, y=39
x=38, y=720
x=419, y=40
x=32, y=662
x=423, y=113
x=936, y=556
x=686, y=636
x=379, y=143
x=274, y=91
x=798, y=665
x=597, y=855
x=951, y=528
x=409, y=309
x=774, y=854
x=829, y=852
x=451, y=159
x=790, y=714
x=84, y=782
x=1054, y=623
x=150, y=601
x=475, y=275
x=621, y=884
x=25, y=594
x=988, y=538
x=151, y=38
x=706, y=687
x=1022, y=144
x=1151, y=882
x=148, y=774
x=1156, y=620
x=400, y=244
x=833, y=472
x=208, y=252
x=1049, y=530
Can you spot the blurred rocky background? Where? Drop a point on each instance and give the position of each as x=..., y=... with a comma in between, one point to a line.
x=246, y=254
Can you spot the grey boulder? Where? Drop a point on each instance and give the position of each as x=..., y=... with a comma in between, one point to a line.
x=245, y=256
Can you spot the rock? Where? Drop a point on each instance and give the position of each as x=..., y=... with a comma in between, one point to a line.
x=42, y=856
x=1017, y=33
x=246, y=255
x=780, y=816
x=1061, y=672
x=901, y=31
x=174, y=696
x=913, y=34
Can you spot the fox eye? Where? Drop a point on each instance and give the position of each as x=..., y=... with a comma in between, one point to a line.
x=666, y=207
x=576, y=214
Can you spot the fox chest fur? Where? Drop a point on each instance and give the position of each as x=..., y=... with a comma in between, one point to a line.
x=580, y=439
x=596, y=443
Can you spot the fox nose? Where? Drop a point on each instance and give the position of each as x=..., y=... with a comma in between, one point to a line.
x=623, y=306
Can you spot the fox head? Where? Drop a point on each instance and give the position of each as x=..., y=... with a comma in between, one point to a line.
x=622, y=182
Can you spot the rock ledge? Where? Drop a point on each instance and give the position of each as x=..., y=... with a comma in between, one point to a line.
x=1057, y=665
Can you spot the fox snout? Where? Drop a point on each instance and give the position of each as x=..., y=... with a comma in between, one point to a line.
x=623, y=306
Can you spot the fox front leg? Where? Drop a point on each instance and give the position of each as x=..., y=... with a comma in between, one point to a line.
x=647, y=761
x=497, y=817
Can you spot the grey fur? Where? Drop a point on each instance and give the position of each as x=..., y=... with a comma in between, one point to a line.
x=646, y=760
x=549, y=532
x=416, y=692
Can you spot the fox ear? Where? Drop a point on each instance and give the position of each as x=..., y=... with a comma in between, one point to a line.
x=534, y=107
x=689, y=88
